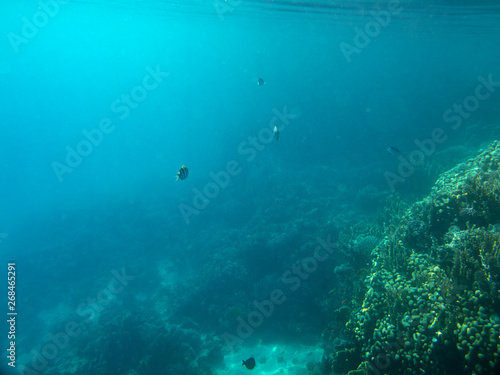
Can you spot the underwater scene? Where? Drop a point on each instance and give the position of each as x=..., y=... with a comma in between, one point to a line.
x=229, y=187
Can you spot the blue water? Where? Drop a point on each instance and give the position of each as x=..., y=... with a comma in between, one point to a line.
x=103, y=102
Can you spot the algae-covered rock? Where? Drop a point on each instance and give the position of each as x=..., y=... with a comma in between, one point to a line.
x=432, y=300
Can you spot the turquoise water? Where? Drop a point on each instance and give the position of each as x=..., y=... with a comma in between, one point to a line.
x=103, y=102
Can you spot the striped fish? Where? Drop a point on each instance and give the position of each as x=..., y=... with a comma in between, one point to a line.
x=183, y=173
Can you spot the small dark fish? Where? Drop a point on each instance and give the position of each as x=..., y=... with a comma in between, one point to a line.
x=392, y=150
x=260, y=81
x=183, y=173
x=276, y=132
x=249, y=363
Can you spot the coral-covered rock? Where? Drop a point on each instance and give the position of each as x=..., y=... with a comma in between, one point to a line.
x=432, y=299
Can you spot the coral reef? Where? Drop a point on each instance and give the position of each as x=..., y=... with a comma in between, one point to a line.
x=141, y=344
x=431, y=300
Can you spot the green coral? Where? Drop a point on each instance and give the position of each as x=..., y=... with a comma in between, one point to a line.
x=431, y=300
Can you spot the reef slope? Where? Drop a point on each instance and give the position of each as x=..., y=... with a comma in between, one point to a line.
x=431, y=300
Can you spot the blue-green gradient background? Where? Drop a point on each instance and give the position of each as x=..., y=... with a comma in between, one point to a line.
x=119, y=207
